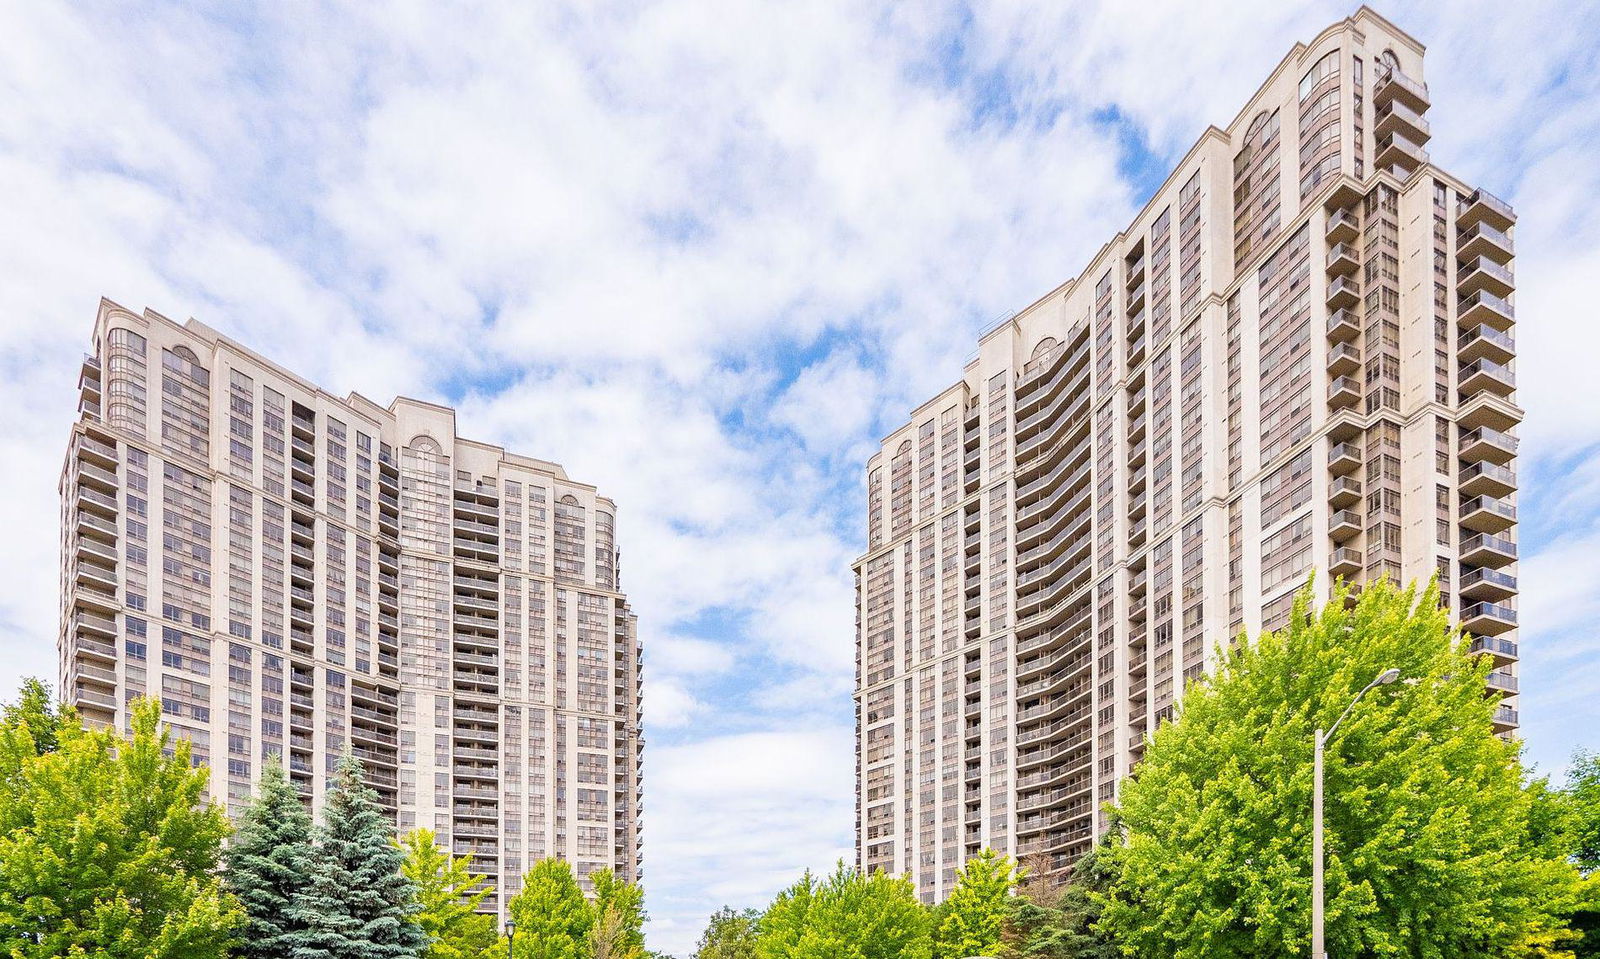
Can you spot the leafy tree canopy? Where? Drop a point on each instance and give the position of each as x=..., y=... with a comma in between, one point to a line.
x=448, y=916
x=975, y=913
x=1427, y=818
x=846, y=916
x=729, y=935
x=108, y=845
x=552, y=917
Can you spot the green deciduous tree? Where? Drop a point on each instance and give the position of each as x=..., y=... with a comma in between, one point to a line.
x=36, y=710
x=971, y=919
x=729, y=935
x=846, y=916
x=268, y=863
x=619, y=906
x=552, y=917
x=1427, y=822
x=108, y=845
x=1057, y=919
x=448, y=915
x=357, y=905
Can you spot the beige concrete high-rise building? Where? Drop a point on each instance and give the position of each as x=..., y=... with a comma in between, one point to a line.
x=1297, y=357
x=298, y=574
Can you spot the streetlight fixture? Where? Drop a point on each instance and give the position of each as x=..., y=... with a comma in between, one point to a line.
x=511, y=932
x=1318, y=949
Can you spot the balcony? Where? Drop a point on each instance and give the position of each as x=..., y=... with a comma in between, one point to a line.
x=1487, y=308
x=1488, y=409
x=1399, y=150
x=1488, y=619
x=1342, y=227
x=1502, y=682
x=1486, y=549
x=98, y=477
x=96, y=623
x=1396, y=87
x=1344, y=491
x=1135, y=299
x=1343, y=293
x=1505, y=719
x=1343, y=358
x=1502, y=651
x=1481, y=239
x=1344, y=525
x=1481, y=206
x=1481, y=375
x=1344, y=458
x=1401, y=119
x=1486, y=443
x=1488, y=479
x=1343, y=326
x=1342, y=260
x=95, y=576
x=1482, y=273
x=1485, y=514
x=1344, y=391
x=1484, y=342
x=97, y=502
x=1345, y=562
x=1488, y=584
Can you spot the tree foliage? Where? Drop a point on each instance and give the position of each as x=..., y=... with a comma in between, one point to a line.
x=1427, y=818
x=619, y=908
x=268, y=863
x=552, y=917
x=1057, y=919
x=846, y=916
x=448, y=914
x=972, y=918
x=357, y=904
x=108, y=845
x=729, y=935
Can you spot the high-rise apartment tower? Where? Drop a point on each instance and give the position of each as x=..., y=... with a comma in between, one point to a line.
x=297, y=574
x=1297, y=357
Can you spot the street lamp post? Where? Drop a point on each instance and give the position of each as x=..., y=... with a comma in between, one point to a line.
x=1318, y=949
x=511, y=933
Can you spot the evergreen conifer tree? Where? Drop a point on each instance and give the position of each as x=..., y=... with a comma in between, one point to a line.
x=269, y=862
x=357, y=904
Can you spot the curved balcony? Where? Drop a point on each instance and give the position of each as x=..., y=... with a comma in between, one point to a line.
x=1488, y=619
x=1483, y=274
x=1486, y=549
x=1482, y=240
x=1484, y=342
x=1485, y=514
x=1488, y=584
x=1486, y=443
x=1481, y=206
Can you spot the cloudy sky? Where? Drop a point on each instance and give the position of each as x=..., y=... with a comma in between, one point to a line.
x=703, y=254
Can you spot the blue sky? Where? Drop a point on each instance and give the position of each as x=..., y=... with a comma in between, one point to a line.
x=704, y=254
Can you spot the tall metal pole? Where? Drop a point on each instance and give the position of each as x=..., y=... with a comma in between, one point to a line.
x=1318, y=950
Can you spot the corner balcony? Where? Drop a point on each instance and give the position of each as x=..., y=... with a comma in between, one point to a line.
x=1344, y=491
x=1342, y=260
x=1488, y=444
x=1505, y=719
x=1343, y=358
x=1482, y=273
x=1484, y=342
x=1396, y=87
x=1344, y=458
x=1344, y=525
x=1481, y=239
x=1488, y=584
x=1488, y=409
x=1485, y=549
x=1488, y=619
x=1481, y=375
x=1486, y=308
x=1485, y=514
x=99, y=452
x=1343, y=293
x=1345, y=562
x=1399, y=118
x=1488, y=479
x=1502, y=651
x=1481, y=206
x=1502, y=683
x=1343, y=326
x=1399, y=150
x=1342, y=227
x=97, y=502
x=1344, y=391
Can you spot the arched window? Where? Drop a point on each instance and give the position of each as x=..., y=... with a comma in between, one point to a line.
x=423, y=443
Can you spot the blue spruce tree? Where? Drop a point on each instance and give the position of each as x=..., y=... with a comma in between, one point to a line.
x=357, y=905
x=268, y=863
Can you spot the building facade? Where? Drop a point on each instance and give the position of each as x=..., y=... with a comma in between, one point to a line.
x=296, y=574
x=1298, y=357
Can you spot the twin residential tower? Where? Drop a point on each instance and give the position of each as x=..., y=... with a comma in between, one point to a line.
x=295, y=574
x=1297, y=357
